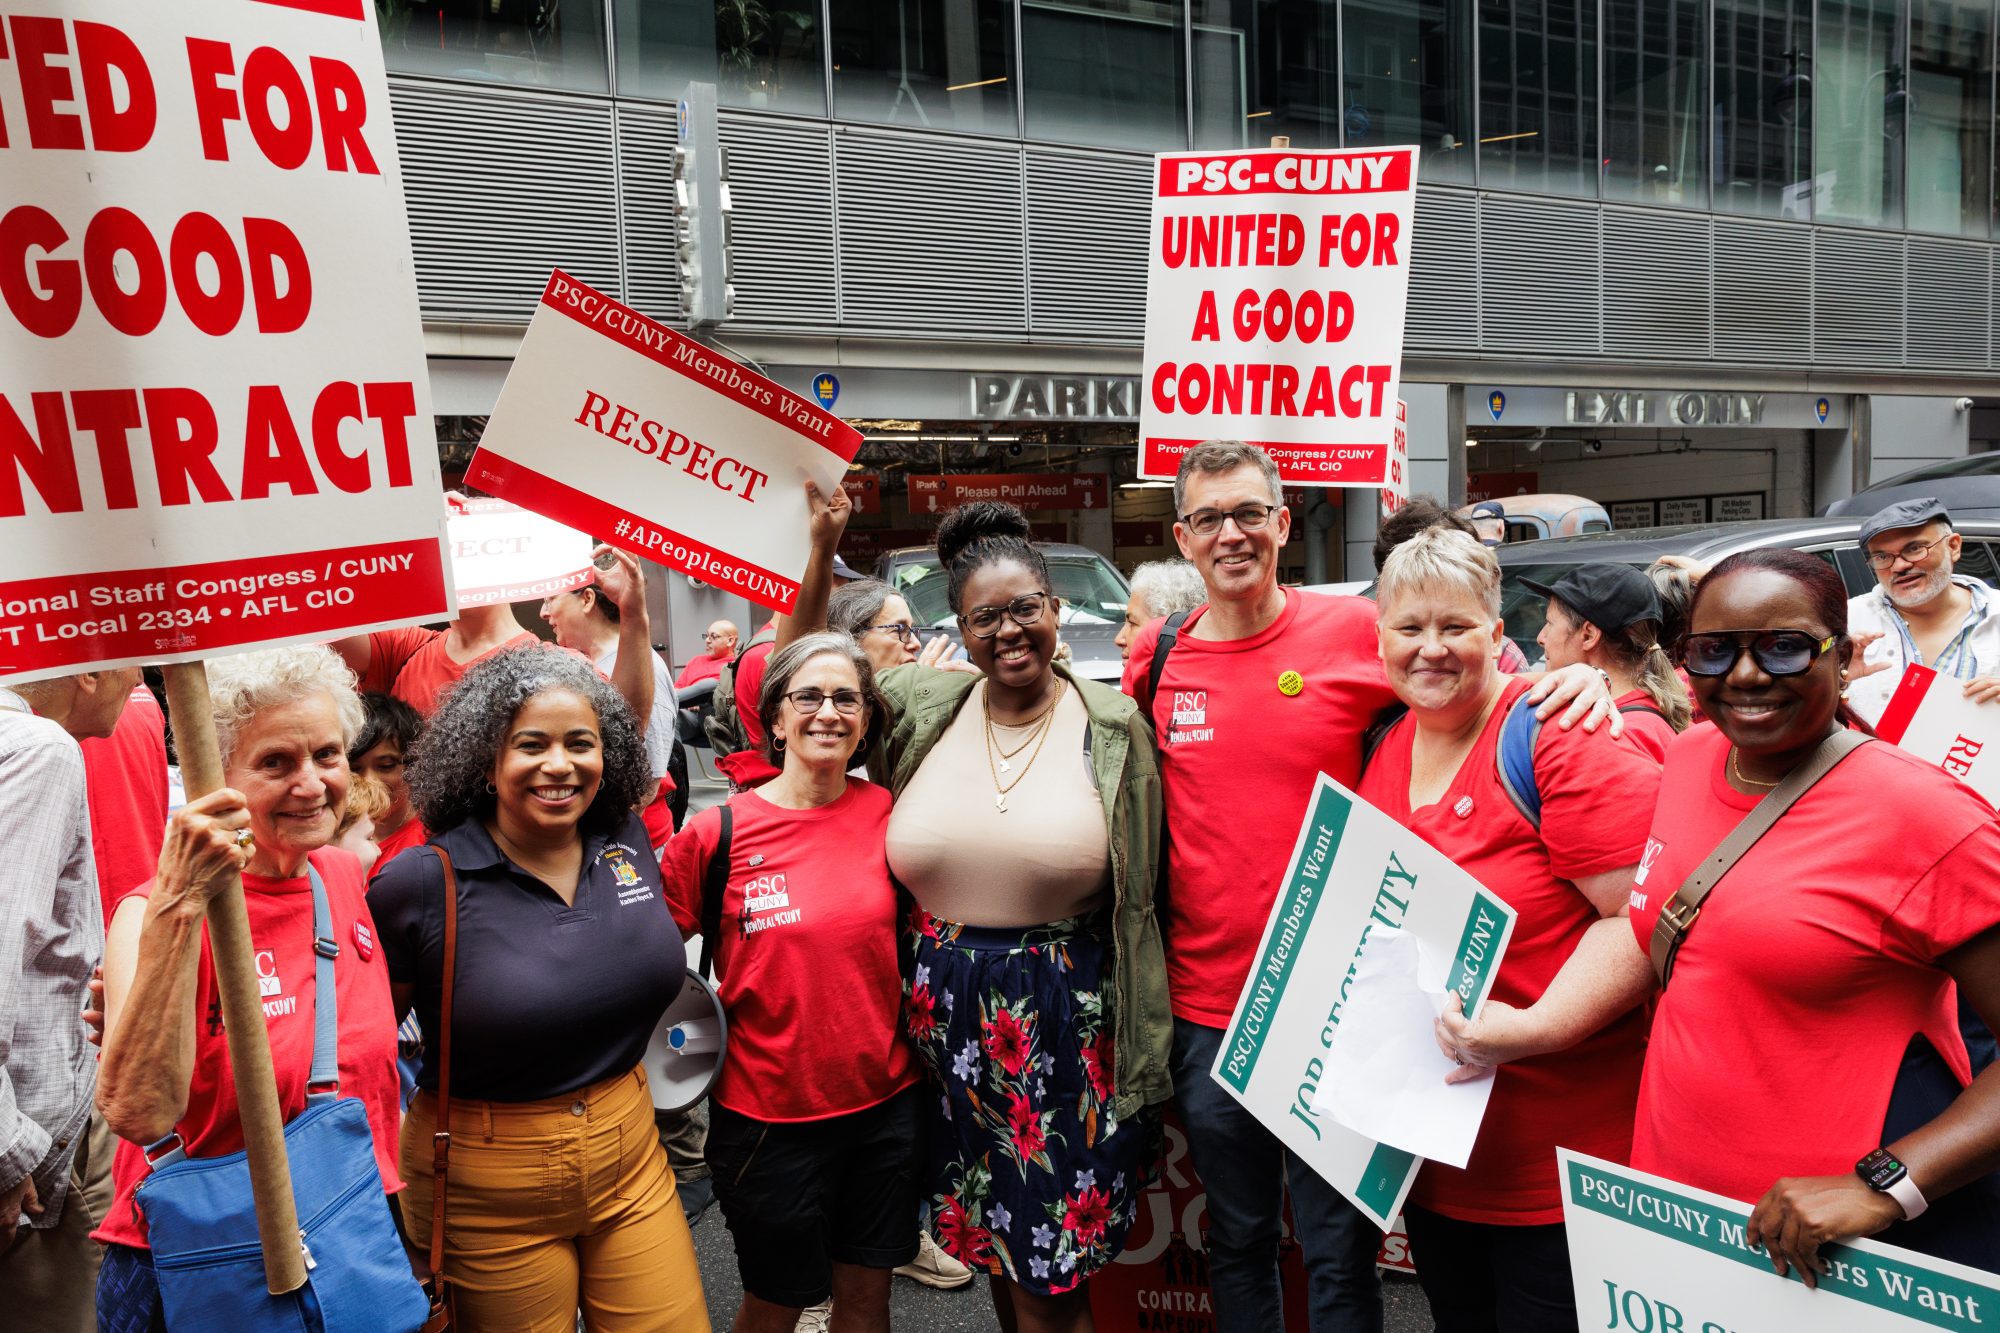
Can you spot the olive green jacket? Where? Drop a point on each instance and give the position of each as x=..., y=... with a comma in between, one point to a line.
x=923, y=702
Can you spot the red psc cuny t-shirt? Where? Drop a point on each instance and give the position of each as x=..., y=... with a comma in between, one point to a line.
x=1812, y=964
x=1597, y=800
x=807, y=964
x=1239, y=758
x=413, y=665
x=1645, y=726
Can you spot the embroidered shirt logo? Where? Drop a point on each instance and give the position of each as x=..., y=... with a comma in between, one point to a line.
x=625, y=876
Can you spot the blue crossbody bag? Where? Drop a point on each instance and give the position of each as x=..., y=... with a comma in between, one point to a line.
x=203, y=1226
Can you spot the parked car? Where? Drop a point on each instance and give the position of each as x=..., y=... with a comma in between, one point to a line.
x=1093, y=593
x=1969, y=487
x=1533, y=517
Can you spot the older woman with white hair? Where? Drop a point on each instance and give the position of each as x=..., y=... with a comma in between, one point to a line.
x=1554, y=822
x=1159, y=588
x=285, y=719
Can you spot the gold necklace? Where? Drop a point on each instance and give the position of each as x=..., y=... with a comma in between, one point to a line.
x=1737, y=769
x=993, y=729
x=1047, y=724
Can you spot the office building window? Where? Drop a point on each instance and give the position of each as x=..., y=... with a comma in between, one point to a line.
x=937, y=64
x=1861, y=96
x=761, y=54
x=1763, y=107
x=1951, y=116
x=543, y=43
x=1264, y=68
x=1409, y=80
x=1105, y=72
x=1538, y=95
x=1656, y=101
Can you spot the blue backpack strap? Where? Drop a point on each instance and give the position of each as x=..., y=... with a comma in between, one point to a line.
x=1514, y=757
x=323, y=1083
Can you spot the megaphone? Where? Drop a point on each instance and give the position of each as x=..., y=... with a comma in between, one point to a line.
x=685, y=1054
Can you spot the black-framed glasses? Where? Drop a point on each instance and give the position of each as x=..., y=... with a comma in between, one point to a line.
x=1777, y=652
x=983, y=622
x=1913, y=552
x=1248, y=518
x=810, y=701
x=902, y=629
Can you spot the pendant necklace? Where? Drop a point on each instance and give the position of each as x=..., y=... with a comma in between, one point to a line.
x=1042, y=723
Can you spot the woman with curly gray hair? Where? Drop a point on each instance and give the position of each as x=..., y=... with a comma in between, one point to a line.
x=559, y=1193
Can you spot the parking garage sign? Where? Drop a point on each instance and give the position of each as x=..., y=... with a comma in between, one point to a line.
x=1275, y=296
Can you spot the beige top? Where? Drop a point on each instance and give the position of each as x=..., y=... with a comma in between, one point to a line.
x=1043, y=859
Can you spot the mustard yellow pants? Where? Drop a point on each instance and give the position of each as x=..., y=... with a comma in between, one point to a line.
x=555, y=1206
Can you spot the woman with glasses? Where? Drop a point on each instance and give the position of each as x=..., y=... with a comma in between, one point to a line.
x=1806, y=1053
x=813, y=1122
x=1026, y=828
x=880, y=621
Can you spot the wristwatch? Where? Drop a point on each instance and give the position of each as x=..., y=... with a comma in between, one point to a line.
x=1881, y=1172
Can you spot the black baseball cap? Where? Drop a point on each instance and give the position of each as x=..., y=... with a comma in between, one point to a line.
x=1489, y=509
x=1609, y=596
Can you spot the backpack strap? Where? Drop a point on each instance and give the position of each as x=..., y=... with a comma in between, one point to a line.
x=1170, y=634
x=1514, y=758
x=323, y=1083
x=714, y=884
x=1378, y=730
x=441, y=1135
x=1654, y=709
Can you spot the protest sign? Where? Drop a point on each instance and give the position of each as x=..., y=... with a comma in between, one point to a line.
x=215, y=423
x=1930, y=716
x=1353, y=871
x=613, y=423
x=1396, y=484
x=1649, y=1255
x=1275, y=294
x=501, y=552
x=932, y=494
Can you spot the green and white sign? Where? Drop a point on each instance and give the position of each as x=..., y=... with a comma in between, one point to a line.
x=1654, y=1256
x=1354, y=871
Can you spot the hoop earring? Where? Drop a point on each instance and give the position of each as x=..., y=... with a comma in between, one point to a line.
x=862, y=748
x=492, y=790
x=778, y=744
x=1845, y=684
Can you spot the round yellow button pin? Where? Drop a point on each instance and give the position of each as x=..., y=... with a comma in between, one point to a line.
x=1290, y=683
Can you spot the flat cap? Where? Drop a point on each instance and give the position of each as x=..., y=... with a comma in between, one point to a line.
x=1489, y=509
x=1908, y=514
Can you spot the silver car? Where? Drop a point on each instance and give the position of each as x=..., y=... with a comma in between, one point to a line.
x=1093, y=594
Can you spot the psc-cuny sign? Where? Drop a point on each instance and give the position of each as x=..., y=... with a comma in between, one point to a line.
x=215, y=425
x=1930, y=716
x=1649, y=1255
x=501, y=552
x=613, y=423
x=1396, y=478
x=1353, y=871
x=1275, y=296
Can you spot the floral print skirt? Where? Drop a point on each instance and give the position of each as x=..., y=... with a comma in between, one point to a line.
x=1031, y=1175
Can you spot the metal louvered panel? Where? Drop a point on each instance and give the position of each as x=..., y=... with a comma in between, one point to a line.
x=1951, y=295
x=782, y=257
x=1656, y=302
x=1857, y=298
x=1088, y=243
x=931, y=236
x=1444, y=273
x=1762, y=280
x=1539, y=275
x=502, y=188
x=646, y=139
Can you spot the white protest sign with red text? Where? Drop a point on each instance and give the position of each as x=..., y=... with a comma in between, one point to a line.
x=1396, y=482
x=215, y=424
x=614, y=423
x=1930, y=716
x=501, y=552
x=934, y=493
x=1274, y=308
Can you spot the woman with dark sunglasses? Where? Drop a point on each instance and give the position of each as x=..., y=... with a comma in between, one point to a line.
x=1806, y=1052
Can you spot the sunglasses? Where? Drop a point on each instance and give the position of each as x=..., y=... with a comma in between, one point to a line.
x=1777, y=652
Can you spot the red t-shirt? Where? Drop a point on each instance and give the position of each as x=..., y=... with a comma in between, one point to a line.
x=412, y=664
x=702, y=668
x=807, y=963
x=748, y=767
x=1239, y=757
x=125, y=777
x=411, y=834
x=1813, y=963
x=281, y=930
x=1645, y=726
x=1597, y=799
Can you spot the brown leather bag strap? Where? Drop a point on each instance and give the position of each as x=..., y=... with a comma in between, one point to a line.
x=1677, y=916
x=441, y=1138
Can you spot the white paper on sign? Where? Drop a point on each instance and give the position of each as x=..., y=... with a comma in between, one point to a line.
x=1384, y=1071
x=501, y=552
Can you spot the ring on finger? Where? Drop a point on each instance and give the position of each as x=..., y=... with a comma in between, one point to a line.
x=245, y=838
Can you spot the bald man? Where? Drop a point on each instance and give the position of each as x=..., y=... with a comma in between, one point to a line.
x=719, y=646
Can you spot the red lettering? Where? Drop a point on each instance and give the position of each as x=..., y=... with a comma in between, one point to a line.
x=339, y=401
x=195, y=236
x=44, y=85
x=621, y=422
x=595, y=405
x=50, y=311
x=270, y=245
x=272, y=453
x=100, y=49
x=1386, y=230
x=342, y=110
x=1205, y=324
x=112, y=232
x=393, y=404
x=208, y=61
x=110, y=416
x=49, y=465
x=288, y=145
x=181, y=428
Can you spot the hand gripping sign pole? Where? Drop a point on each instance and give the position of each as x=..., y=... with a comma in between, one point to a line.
x=242, y=1005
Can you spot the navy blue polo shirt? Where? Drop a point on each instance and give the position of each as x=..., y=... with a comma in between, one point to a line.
x=550, y=997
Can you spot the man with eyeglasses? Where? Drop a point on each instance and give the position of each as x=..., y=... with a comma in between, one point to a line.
x=718, y=645
x=1920, y=612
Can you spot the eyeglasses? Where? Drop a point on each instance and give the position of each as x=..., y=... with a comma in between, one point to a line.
x=1777, y=652
x=1248, y=518
x=983, y=622
x=902, y=629
x=1914, y=552
x=713, y=635
x=810, y=701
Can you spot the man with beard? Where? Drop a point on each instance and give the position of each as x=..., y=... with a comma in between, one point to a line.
x=1921, y=612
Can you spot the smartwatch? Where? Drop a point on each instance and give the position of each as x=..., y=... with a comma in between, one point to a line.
x=1881, y=1172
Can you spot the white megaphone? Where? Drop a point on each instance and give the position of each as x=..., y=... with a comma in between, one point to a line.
x=686, y=1051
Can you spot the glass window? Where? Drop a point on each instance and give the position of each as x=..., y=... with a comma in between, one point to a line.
x=1655, y=101
x=546, y=43
x=1951, y=115
x=1860, y=98
x=762, y=54
x=1409, y=80
x=1105, y=72
x=1266, y=67
x=1538, y=95
x=943, y=64
x=1763, y=107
